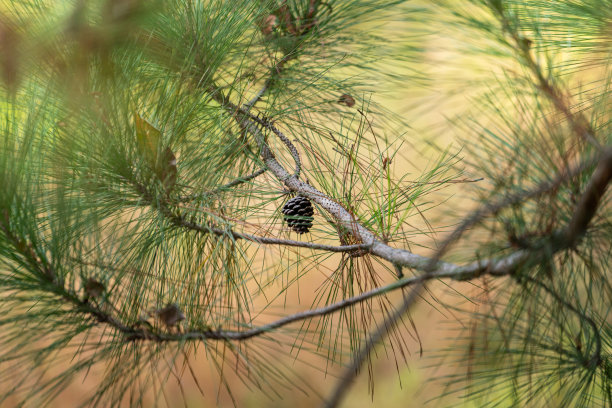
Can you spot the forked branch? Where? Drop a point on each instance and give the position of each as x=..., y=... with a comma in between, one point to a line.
x=559, y=241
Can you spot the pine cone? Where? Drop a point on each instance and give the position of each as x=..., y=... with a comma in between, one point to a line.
x=298, y=213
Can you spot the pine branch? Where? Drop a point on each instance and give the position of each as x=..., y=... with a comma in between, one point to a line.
x=398, y=257
x=267, y=124
x=559, y=98
x=132, y=332
x=236, y=182
x=493, y=267
x=590, y=199
x=180, y=221
x=277, y=69
x=595, y=359
x=581, y=217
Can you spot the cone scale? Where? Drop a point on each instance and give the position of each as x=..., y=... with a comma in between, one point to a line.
x=298, y=213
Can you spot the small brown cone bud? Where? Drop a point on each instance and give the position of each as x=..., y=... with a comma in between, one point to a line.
x=269, y=24
x=93, y=288
x=170, y=315
x=347, y=100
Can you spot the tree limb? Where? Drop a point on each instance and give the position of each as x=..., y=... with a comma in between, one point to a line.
x=398, y=257
x=591, y=197
x=261, y=239
x=495, y=267
x=581, y=217
x=180, y=221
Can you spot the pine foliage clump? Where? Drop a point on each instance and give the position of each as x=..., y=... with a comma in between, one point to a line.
x=173, y=171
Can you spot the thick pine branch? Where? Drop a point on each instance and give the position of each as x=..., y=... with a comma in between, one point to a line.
x=494, y=267
x=559, y=241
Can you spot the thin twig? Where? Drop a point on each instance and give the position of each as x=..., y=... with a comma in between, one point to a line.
x=206, y=229
x=241, y=180
x=387, y=325
x=277, y=69
x=233, y=183
x=595, y=359
x=264, y=240
x=559, y=98
x=267, y=124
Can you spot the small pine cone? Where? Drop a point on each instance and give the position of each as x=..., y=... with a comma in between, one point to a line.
x=298, y=213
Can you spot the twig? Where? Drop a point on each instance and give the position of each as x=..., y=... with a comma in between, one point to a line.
x=595, y=359
x=387, y=325
x=233, y=183
x=182, y=222
x=264, y=240
x=267, y=124
x=247, y=106
x=241, y=180
x=578, y=123
x=278, y=68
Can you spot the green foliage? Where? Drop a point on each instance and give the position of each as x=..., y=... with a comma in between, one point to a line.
x=129, y=184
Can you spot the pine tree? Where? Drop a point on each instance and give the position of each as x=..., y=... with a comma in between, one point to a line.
x=172, y=170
